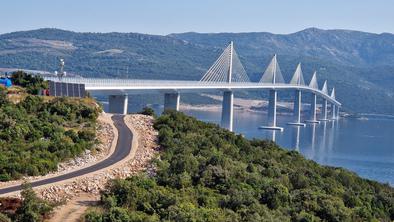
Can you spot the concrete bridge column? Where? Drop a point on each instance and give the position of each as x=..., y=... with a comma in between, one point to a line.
x=324, y=111
x=333, y=112
x=297, y=109
x=337, y=112
x=312, y=112
x=118, y=104
x=227, y=110
x=171, y=101
x=273, y=94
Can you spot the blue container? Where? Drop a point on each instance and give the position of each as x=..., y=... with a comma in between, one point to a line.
x=6, y=82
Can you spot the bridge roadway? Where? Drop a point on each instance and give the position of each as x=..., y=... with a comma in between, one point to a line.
x=135, y=86
x=122, y=150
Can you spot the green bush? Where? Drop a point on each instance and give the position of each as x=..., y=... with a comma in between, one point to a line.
x=206, y=173
x=33, y=209
x=33, y=83
x=148, y=111
x=33, y=136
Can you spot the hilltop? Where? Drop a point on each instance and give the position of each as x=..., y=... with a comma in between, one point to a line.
x=358, y=64
x=37, y=132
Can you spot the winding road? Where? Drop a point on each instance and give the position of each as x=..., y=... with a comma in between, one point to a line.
x=122, y=150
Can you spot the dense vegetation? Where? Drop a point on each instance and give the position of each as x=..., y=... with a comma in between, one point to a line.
x=359, y=65
x=37, y=132
x=206, y=173
x=32, y=84
x=29, y=208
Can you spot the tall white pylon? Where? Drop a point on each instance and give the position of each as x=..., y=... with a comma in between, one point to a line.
x=272, y=74
x=230, y=67
x=227, y=68
x=312, y=115
x=298, y=78
x=332, y=93
x=324, y=89
x=313, y=83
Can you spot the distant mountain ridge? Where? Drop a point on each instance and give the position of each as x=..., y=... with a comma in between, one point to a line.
x=360, y=65
x=343, y=46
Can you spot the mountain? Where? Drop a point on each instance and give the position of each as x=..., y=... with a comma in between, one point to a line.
x=340, y=46
x=105, y=54
x=360, y=65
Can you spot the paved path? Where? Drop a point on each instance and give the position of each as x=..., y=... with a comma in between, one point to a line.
x=122, y=150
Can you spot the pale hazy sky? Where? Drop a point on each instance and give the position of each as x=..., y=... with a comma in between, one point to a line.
x=169, y=16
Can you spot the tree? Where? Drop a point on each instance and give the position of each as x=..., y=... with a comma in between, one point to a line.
x=32, y=209
x=33, y=84
x=148, y=111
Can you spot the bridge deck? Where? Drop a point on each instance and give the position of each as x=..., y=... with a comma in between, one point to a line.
x=134, y=86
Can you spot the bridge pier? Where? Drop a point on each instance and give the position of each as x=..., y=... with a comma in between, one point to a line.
x=312, y=112
x=118, y=104
x=297, y=110
x=273, y=94
x=324, y=111
x=333, y=112
x=171, y=101
x=227, y=110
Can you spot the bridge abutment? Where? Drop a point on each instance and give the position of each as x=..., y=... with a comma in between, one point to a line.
x=227, y=110
x=118, y=104
x=171, y=101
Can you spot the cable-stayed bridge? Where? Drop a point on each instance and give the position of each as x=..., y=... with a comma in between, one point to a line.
x=228, y=75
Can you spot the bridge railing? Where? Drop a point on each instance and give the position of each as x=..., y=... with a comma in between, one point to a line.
x=176, y=84
x=97, y=82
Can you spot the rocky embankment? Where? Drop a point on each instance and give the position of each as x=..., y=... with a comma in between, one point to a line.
x=138, y=160
x=102, y=149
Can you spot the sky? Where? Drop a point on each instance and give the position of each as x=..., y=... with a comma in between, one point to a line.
x=175, y=16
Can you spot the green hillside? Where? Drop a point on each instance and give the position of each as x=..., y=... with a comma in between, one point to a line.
x=358, y=64
x=36, y=132
x=206, y=173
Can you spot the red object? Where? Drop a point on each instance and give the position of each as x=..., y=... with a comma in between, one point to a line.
x=45, y=92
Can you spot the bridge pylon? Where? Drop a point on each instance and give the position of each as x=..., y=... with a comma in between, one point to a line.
x=227, y=69
x=312, y=112
x=298, y=80
x=272, y=75
x=334, y=108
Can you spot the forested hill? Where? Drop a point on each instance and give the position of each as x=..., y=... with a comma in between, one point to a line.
x=37, y=132
x=358, y=64
x=206, y=173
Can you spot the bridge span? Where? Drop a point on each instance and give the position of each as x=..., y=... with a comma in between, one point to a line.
x=226, y=75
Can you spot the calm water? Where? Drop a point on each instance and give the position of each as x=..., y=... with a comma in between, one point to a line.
x=363, y=146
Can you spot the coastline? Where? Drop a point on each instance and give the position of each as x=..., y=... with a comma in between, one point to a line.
x=241, y=104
